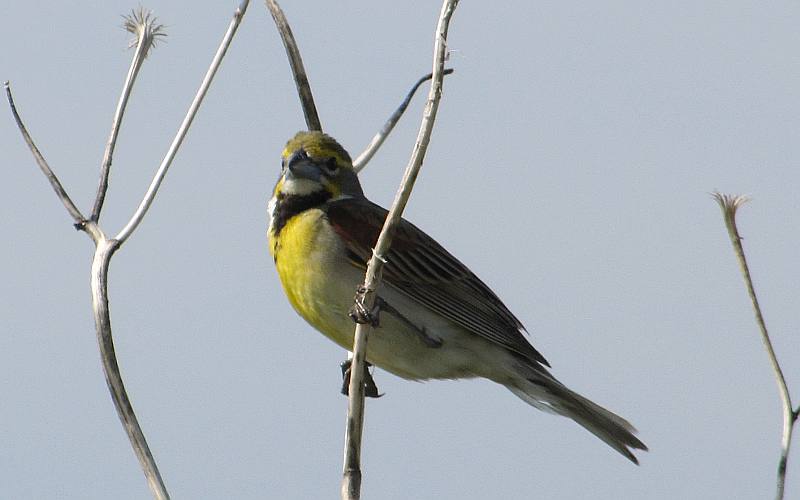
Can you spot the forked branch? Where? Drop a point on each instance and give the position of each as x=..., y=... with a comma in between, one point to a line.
x=307, y=98
x=150, y=195
x=351, y=475
x=361, y=161
x=143, y=26
x=729, y=205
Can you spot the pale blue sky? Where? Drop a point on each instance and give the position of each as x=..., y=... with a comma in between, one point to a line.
x=570, y=168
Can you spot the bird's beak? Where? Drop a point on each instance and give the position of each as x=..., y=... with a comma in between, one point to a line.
x=301, y=167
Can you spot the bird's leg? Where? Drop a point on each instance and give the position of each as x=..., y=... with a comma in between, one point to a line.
x=429, y=341
x=359, y=312
x=370, y=389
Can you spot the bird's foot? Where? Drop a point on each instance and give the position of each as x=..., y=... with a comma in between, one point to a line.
x=361, y=314
x=370, y=389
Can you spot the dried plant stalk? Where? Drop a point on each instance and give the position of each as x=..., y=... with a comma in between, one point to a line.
x=351, y=475
x=729, y=205
x=142, y=24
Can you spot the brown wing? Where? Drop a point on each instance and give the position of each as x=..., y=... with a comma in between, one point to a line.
x=423, y=270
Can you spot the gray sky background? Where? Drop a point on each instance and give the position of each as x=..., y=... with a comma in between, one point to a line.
x=570, y=168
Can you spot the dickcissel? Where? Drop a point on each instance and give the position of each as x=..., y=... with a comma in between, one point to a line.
x=437, y=320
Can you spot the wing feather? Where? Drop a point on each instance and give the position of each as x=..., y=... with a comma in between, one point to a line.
x=423, y=270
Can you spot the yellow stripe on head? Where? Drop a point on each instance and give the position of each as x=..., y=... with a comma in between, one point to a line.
x=318, y=145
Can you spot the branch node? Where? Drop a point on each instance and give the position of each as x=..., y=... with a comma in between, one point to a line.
x=379, y=256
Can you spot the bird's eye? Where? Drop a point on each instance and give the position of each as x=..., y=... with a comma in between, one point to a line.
x=330, y=165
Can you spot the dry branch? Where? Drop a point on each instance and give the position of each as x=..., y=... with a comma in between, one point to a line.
x=296, y=63
x=729, y=205
x=43, y=165
x=351, y=475
x=377, y=141
x=143, y=26
x=149, y=196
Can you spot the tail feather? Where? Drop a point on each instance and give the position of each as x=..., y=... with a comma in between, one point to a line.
x=548, y=394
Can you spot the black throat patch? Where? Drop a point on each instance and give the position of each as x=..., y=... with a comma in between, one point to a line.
x=287, y=206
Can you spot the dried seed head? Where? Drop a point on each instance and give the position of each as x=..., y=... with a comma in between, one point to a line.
x=143, y=24
x=729, y=203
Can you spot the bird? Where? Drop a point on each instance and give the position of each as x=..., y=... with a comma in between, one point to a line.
x=436, y=319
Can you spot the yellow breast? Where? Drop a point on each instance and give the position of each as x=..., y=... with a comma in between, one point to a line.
x=315, y=277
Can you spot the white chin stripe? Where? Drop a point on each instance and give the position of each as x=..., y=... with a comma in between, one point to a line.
x=300, y=187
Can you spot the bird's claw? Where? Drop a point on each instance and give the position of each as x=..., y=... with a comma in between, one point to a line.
x=370, y=389
x=359, y=312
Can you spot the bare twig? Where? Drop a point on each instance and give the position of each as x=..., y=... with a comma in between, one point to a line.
x=296, y=63
x=307, y=98
x=361, y=161
x=729, y=205
x=104, y=249
x=149, y=196
x=46, y=170
x=351, y=475
x=143, y=25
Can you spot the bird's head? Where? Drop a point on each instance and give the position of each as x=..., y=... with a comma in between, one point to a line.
x=313, y=163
